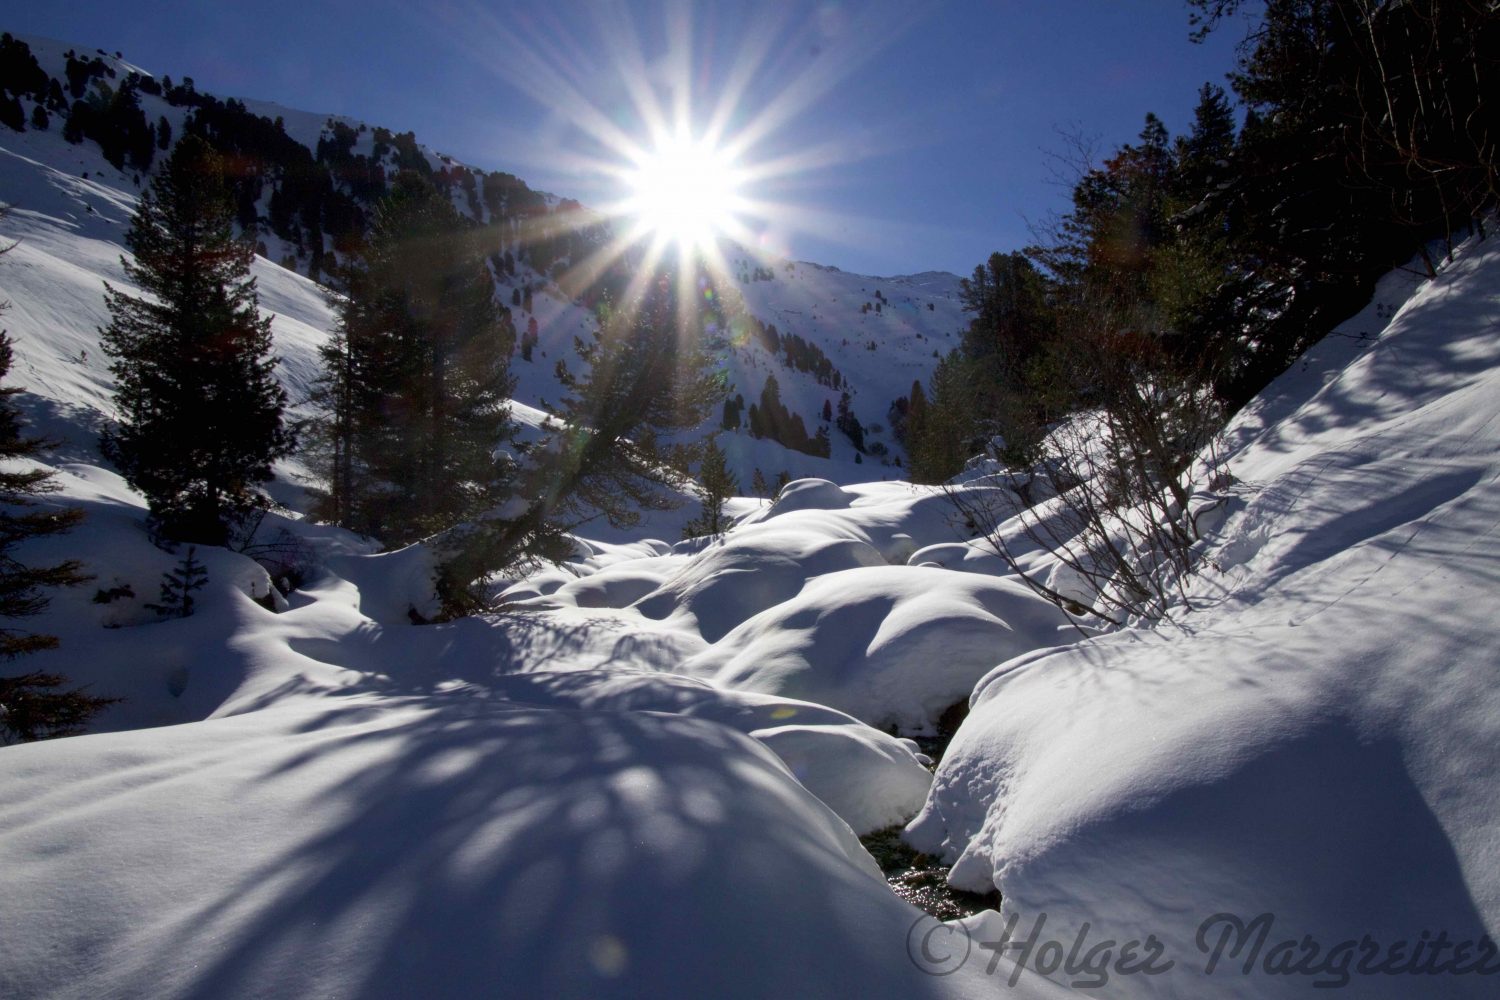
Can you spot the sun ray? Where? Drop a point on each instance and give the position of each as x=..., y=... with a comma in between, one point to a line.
x=674, y=131
x=685, y=190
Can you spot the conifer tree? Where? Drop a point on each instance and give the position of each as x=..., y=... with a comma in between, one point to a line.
x=178, y=586
x=31, y=706
x=201, y=416
x=942, y=438
x=850, y=425
x=916, y=417
x=23, y=588
x=417, y=377
x=716, y=484
x=649, y=374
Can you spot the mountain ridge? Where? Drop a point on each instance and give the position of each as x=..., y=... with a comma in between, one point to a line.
x=845, y=336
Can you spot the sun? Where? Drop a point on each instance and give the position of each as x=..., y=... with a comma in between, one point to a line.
x=685, y=192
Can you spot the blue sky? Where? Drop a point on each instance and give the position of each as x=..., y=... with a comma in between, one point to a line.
x=904, y=137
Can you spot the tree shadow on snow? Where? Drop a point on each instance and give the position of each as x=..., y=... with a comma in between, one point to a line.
x=480, y=850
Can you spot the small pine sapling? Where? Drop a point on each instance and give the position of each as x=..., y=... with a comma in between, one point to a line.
x=178, y=586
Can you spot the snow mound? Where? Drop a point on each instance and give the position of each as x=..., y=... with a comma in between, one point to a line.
x=890, y=645
x=328, y=851
x=1322, y=743
x=859, y=773
x=897, y=518
x=809, y=494
x=871, y=780
x=746, y=573
x=616, y=586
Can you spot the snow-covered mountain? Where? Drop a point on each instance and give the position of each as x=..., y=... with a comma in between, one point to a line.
x=646, y=778
x=820, y=331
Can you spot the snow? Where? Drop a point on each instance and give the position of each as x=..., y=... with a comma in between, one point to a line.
x=1320, y=744
x=647, y=774
x=353, y=806
x=75, y=191
x=338, y=850
x=892, y=645
x=746, y=573
x=332, y=800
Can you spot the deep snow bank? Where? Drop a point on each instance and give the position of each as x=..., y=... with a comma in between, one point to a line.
x=1323, y=743
x=893, y=645
x=330, y=800
x=525, y=805
x=450, y=848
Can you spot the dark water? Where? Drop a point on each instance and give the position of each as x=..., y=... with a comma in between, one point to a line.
x=922, y=880
x=915, y=877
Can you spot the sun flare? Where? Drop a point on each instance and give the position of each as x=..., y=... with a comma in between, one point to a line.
x=684, y=192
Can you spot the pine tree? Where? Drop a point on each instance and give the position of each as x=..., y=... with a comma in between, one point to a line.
x=178, y=586
x=416, y=380
x=30, y=706
x=916, y=417
x=716, y=484
x=1204, y=153
x=12, y=115
x=32, y=709
x=200, y=411
x=850, y=425
x=942, y=438
x=650, y=374
x=22, y=588
x=1369, y=131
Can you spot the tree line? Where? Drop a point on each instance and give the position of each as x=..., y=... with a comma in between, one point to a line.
x=1191, y=270
x=1207, y=262
x=318, y=201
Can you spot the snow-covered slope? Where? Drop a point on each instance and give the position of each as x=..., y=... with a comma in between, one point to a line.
x=646, y=776
x=1321, y=744
x=877, y=355
x=331, y=800
x=67, y=234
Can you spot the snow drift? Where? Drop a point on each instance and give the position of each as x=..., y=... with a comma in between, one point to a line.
x=1322, y=743
x=647, y=776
